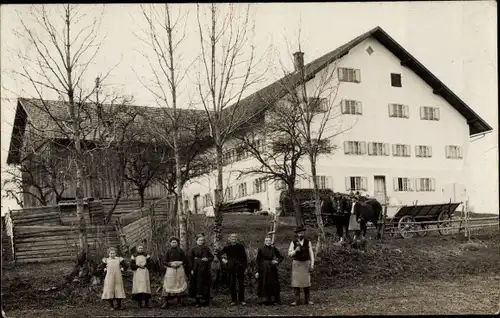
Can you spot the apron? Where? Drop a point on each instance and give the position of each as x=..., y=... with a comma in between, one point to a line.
x=175, y=281
x=113, y=282
x=140, y=281
x=301, y=277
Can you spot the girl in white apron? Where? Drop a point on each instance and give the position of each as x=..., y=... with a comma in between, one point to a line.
x=113, y=282
x=175, y=280
x=141, y=286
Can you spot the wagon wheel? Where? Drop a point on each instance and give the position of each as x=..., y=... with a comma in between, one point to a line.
x=446, y=224
x=423, y=227
x=404, y=226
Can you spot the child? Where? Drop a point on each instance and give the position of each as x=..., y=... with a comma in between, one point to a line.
x=141, y=287
x=113, y=282
x=175, y=280
x=200, y=259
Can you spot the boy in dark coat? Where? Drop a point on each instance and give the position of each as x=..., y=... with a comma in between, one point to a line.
x=236, y=263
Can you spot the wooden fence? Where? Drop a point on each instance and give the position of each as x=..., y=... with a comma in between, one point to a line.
x=35, y=243
x=47, y=215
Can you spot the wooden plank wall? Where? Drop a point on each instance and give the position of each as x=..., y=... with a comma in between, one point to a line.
x=136, y=233
x=47, y=215
x=124, y=206
x=36, y=243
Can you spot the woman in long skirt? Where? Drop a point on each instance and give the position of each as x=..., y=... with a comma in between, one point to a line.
x=175, y=280
x=113, y=289
x=268, y=258
x=200, y=258
x=141, y=286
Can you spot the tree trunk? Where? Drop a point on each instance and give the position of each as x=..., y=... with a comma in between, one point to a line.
x=218, y=222
x=319, y=219
x=299, y=220
x=181, y=217
x=82, y=233
x=141, y=196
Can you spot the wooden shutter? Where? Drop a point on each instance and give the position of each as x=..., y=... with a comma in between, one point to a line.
x=386, y=149
x=407, y=151
x=406, y=111
x=421, y=112
x=410, y=184
x=391, y=110
x=394, y=149
x=346, y=147
x=447, y=151
x=370, y=148
x=357, y=76
x=362, y=146
x=359, y=108
x=341, y=74
x=417, y=151
x=433, y=184
x=329, y=182
x=459, y=153
x=343, y=106
x=348, y=183
x=417, y=184
x=436, y=113
x=395, y=184
x=364, y=183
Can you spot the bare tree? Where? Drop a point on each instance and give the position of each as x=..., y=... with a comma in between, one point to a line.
x=65, y=44
x=227, y=69
x=280, y=161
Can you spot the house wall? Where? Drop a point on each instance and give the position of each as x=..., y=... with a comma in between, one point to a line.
x=374, y=125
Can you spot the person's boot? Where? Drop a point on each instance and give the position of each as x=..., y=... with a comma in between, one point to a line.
x=297, y=297
x=165, y=303
x=207, y=302
x=110, y=301
x=139, y=303
x=307, y=293
x=118, y=304
x=179, y=301
x=197, y=304
x=146, y=303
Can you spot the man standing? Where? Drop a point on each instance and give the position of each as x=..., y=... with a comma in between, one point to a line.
x=236, y=262
x=303, y=263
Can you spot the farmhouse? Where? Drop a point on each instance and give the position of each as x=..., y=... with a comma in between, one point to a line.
x=409, y=132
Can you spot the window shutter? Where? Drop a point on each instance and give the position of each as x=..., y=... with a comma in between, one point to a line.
x=417, y=184
x=433, y=184
x=417, y=151
x=410, y=184
x=391, y=111
x=394, y=149
x=370, y=148
x=386, y=149
x=357, y=76
x=343, y=106
x=395, y=184
x=459, y=152
x=406, y=111
x=362, y=145
x=447, y=151
x=407, y=151
x=359, y=108
x=341, y=74
x=364, y=184
x=436, y=113
x=329, y=182
x=422, y=112
x=346, y=147
x=348, y=183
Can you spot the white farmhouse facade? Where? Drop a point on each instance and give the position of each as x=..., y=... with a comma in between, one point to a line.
x=409, y=133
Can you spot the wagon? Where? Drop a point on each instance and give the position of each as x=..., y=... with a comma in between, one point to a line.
x=419, y=217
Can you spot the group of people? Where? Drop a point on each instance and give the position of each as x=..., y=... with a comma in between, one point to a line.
x=191, y=274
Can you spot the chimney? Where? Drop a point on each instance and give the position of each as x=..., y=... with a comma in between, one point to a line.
x=298, y=60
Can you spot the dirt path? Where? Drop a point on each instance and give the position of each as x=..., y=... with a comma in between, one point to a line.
x=470, y=295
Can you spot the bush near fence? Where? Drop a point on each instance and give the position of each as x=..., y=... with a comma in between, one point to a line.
x=37, y=243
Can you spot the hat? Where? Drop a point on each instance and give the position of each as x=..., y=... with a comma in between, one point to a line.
x=299, y=229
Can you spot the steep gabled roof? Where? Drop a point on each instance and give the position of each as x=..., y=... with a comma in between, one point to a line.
x=258, y=101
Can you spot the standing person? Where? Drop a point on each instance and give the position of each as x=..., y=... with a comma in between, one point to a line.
x=236, y=262
x=113, y=289
x=200, y=259
x=353, y=219
x=140, y=263
x=175, y=280
x=303, y=263
x=268, y=286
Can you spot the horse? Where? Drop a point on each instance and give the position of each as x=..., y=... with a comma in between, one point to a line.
x=367, y=211
x=338, y=210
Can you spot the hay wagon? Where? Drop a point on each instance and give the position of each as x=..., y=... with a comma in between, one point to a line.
x=416, y=220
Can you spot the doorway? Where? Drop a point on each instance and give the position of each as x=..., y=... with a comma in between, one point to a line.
x=379, y=189
x=195, y=203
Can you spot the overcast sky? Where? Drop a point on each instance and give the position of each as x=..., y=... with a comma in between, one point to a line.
x=456, y=40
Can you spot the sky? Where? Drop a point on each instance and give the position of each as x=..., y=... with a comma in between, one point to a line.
x=456, y=40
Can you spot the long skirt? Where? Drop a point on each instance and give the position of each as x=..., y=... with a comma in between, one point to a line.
x=301, y=277
x=353, y=223
x=141, y=286
x=174, y=282
x=268, y=288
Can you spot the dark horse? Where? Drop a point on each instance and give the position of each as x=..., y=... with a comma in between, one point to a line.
x=368, y=211
x=338, y=208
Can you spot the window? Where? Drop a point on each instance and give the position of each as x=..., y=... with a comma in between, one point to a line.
x=349, y=75
x=323, y=182
x=279, y=184
x=400, y=150
x=378, y=149
x=351, y=107
x=355, y=147
x=207, y=200
x=242, y=190
x=425, y=184
x=229, y=193
x=398, y=110
x=369, y=50
x=356, y=183
x=403, y=184
x=259, y=145
x=429, y=113
x=395, y=80
x=423, y=151
x=317, y=104
x=259, y=185
x=240, y=153
x=453, y=152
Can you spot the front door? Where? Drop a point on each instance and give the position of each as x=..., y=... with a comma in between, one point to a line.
x=379, y=189
x=195, y=203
